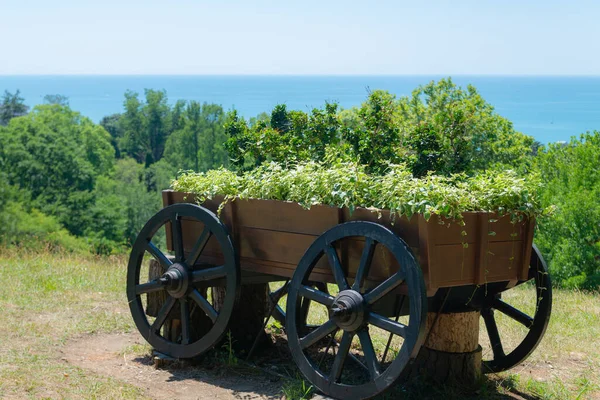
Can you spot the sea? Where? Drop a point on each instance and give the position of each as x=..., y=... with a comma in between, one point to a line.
x=549, y=108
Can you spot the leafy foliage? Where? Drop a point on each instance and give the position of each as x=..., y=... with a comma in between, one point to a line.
x=59, y=99
x=441, y=150
x=570, y=240
x=349, y=185
x=24, y=226
x=199, y=143
x=440, y=128
x=11, y=106
x=56, y=155
x=288, y=136
x=469, y=133
x=122, y=205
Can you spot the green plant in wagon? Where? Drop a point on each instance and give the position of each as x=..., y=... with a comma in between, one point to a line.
x=347, y=184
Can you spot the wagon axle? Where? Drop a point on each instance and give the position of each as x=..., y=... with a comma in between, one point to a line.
x=348, y=310
x=176, y=280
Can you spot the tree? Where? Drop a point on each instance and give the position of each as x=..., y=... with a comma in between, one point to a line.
x=59, y=99
x=147, y=125
x=375, y=136
x=158, y=116
x=132, y=124
x=471, y=135
x=111, y=123
x=12, y=106
x=285, y=137
x=199, y=144
x=56, y=155
x=122, y=205
x=212, y=139
x=570, y=238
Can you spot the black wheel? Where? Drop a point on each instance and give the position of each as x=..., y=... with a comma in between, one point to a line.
x=351, y=323
x=540, y=306
x=182, y=280
x=280, y=293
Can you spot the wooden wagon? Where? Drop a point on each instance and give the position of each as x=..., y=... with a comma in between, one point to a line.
x=367, y=269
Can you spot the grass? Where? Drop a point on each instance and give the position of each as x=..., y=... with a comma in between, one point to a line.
x=566, y=364
x=48, y=298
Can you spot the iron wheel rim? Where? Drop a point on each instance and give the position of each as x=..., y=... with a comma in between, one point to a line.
x=538, y=271
x=413, y=340
x=229, y=271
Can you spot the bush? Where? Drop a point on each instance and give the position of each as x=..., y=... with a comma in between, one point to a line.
x=570, y=239
x=30, y=229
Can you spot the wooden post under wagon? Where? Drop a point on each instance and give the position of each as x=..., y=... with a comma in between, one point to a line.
x=451, y=352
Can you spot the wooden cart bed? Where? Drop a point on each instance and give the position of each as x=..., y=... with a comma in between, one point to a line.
x=271, y=236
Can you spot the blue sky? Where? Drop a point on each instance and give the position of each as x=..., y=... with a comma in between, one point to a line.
x=503, y=37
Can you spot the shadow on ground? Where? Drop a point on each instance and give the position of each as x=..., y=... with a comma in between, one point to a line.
x=272, y=368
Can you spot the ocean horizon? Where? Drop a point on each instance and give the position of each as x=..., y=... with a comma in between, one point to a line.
x=549, y=108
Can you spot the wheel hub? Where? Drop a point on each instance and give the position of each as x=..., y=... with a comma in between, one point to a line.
x=176, y=280
x=348, y=310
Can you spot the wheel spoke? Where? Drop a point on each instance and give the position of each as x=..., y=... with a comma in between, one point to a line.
x=350, y=355
x=318, y=334
x=316, y=295
x=369, y=352
x=199, y=247
x=163, y=313
x=389, y=342
x=148, y=287
x=336, y=266
x=158, y=255
x=208, y=274
x=513, y=313
x=185, y=321
x=492, y=329
x=384, y=288
x=331, y=341
x=365, y=264
x=340, y=358
x=204, y=305
x=177, y=237
x=387, y=324
x=304, y=307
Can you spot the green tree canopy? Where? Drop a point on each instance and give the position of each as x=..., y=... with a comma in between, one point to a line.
x=288, y=136
x=199, y=143
x=146, y=125
x=59, y=99
x=56, y=155
x=11, y=106
x=440, y=128
x=570, y=239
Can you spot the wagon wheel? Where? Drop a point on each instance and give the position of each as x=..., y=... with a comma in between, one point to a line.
x=355, y=371
x=182, y=280
x=280, y=293
x=536, y=325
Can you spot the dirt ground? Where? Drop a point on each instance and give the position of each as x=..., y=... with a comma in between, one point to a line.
x=108, y=355
x=112, y=355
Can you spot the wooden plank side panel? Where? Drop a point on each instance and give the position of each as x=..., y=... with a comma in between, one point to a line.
x=272, y=236
x=285, y=216
x=407, y=230
x=451, y=265
x=527, y=249
x=504, y=261
x=497, y=250
x=279, y=247
x=483, y=237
